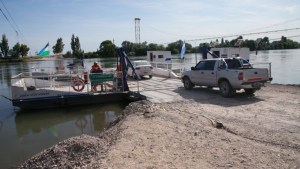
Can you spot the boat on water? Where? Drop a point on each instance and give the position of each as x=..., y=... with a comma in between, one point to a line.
x=45, y=89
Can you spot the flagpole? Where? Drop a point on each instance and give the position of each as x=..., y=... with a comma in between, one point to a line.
x=182, y=54
x=196, y=54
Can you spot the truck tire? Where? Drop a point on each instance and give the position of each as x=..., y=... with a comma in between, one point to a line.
x=249, y=91
x=225, y=89
x=187, y=83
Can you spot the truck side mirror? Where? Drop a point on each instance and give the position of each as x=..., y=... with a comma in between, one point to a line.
x=193, y=68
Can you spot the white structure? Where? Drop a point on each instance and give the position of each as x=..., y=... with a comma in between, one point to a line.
x=158, y=56
x=231, y=52
x=161, y=62
x=137, y=30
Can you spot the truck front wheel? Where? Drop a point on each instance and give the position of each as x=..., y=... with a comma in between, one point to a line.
x=187, y=83
x=226, y=89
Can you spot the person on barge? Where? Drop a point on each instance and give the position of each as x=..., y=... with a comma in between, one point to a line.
x=96, y=68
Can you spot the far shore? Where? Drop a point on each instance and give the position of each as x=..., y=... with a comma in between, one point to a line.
x=31, y=58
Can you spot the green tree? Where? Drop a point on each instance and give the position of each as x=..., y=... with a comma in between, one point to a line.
x=153, y=46
x=73, y=43
x=222, y=42
x=128, y=47
x=234, y=41
x=284, y=43
x=227, y=43
x=188, y=47
x=4, y=45
x=24, y=50
x=283, y=39
x=140, y=49
x=175, y=47
x=16, y=51
x=288, y=43
x=91, y=55
x=78, y=52
x=250, y=44
x=59, y=46
x=277, y=45
x=264, y=44
x=107, y=49
x=68, y=54
x=75, y=46
x=204, y=44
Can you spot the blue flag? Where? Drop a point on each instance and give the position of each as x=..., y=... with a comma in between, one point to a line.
x=45, y=51
x=182, y=50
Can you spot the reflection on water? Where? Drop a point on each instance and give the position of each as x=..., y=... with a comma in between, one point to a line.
x=27, y=133
x=84, y=119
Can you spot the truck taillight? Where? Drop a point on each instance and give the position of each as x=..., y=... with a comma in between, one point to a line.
x=137, y=68
x=241, y=76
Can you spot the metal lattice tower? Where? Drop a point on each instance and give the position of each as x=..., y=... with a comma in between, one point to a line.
x=137, y=30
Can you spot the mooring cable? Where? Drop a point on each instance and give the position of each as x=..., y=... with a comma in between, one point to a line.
x=6, y=98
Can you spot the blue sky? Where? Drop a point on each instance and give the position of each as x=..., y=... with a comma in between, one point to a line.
x=162, y=21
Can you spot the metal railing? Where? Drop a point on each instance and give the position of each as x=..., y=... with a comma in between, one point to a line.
x=176, y=67
x=32, y=84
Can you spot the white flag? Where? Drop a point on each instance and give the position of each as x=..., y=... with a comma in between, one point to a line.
x=182, y=50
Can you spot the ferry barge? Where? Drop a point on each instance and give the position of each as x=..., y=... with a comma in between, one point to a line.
x=44, y=89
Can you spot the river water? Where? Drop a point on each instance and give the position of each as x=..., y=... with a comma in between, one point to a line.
x=23, y=134
x=285, y=64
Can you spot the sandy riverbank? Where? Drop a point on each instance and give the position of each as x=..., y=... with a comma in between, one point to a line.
x=204, y=131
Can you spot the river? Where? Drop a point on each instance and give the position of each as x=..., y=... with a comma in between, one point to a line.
x=285, y=64
x=23, y=134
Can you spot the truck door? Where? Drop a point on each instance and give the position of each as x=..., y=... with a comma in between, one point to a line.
x=209, y=74
x=204, y=73
x=196, y=75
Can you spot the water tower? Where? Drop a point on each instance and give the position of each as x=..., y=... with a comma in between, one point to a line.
x=137, y=30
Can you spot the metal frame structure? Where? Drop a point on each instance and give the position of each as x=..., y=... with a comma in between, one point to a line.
x=137, y=30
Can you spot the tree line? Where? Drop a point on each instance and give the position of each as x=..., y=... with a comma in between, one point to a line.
x=259, y=44
x=16, y=51
x=107, y=47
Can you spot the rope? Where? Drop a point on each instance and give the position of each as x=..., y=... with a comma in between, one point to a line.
x=6, y=98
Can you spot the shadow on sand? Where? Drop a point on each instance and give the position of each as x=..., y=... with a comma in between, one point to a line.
x=212, y=96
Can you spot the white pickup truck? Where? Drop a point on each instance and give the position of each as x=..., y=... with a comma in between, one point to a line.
x=229, y=74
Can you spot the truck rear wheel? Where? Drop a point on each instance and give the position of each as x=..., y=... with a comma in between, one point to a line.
x=226, y=89
x=187, y=83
